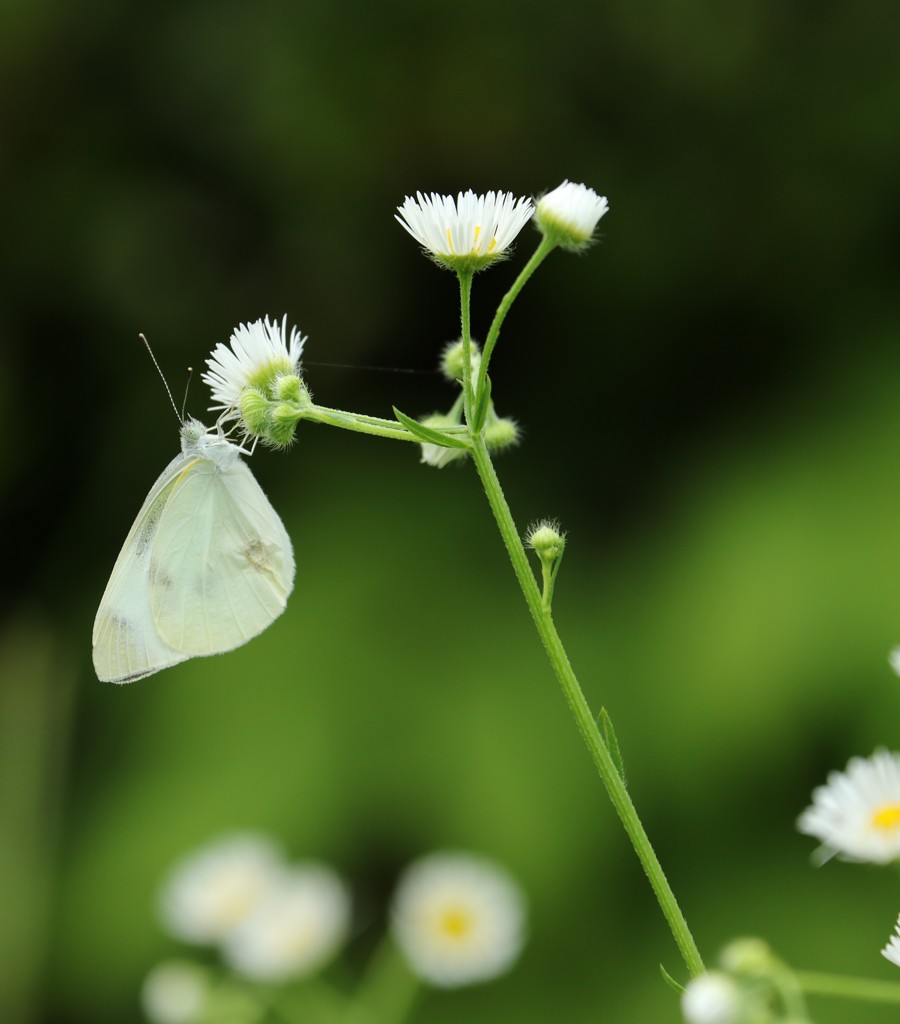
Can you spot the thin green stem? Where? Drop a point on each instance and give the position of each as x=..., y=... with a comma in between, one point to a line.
x=843, y=987
x=544, y=248
x=587, y=726
x=388, y=990
x=465, y=316
x=366, y=424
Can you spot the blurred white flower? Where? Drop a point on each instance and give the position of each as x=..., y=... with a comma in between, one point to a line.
x=295, y=930
x=712, y=998
x=569, y=214
x=857, y=813
x=212, y=890
x=459, y=919
x=175, y=992
x=259, y=352
x=894, y=659
x=467, y=233
x=892, y=950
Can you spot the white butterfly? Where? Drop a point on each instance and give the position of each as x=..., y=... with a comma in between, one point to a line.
x=206, y=566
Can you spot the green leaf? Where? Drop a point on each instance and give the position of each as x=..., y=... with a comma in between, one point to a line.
x=428, y=435
x=612, y=744
x=670, y=981
x=483, y=401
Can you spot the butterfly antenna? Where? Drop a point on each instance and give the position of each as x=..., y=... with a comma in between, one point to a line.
x=187, y=386
x=162, y=377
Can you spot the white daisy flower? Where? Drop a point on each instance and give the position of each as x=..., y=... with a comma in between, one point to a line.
x=175, y=992
x=296, y=930
x=259, y=353
x=892, y=950
x=569, y=214
x=857, y=813
x=459, y=919
x=211, y=891
x=467, y=233
x=712, y=998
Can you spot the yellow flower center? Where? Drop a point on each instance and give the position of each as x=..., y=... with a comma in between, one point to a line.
x=887, y=817
x=456, y=923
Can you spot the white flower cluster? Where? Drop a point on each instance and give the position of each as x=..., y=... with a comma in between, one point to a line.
x=271, y=919
x=458, y=919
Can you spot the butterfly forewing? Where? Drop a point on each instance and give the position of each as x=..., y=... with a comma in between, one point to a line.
x=126, y=643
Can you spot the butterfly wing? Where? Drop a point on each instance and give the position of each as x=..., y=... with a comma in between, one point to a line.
x=222, y=565
x=126, y=642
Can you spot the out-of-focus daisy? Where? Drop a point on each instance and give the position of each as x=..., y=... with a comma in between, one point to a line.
x=468, y=233
x=175, y=992
x=212, y=890
x=892, y=950
x=857, y=813
x=256, y=356
x=459, y=919
x=712, y=998
x=295, y=930
x=569, y=214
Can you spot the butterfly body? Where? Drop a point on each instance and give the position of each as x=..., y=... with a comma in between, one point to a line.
x=206, y=566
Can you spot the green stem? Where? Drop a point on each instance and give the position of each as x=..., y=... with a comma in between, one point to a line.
x=842, y=987
x=465, y=316
x=544, y=248
x=615, y=787
x=388, y=990
x=360, y=424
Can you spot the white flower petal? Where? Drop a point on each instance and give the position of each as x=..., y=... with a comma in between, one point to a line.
x=257, y=352
x=211, y=891
x=296, y=930
x=472, y=230
x=459, y=919
x=857, y=813
x=711, y=998
x=175, y=992
x=570, y=212
x=892, y=950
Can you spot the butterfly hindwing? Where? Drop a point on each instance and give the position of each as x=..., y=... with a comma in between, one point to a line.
x=206, y=566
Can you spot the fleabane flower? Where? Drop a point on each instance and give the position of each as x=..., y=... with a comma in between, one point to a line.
x=468, y=233
x=210, y=892
x=175, y=992
x=569, y=214
x=892, y=950
x=258, y=356
x=295, y=930
x=712, y=998
x=857, y=813
x=459, y=919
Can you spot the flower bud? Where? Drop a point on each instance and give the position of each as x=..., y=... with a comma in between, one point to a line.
x=451, y=365
x=568, y=215
x=501, y=433
x=546, y=540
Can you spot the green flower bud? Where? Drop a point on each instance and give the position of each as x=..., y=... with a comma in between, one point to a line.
x=451, y=365
x=501, y=433
x=254, y=409
x=546, y=539
x=751, y=958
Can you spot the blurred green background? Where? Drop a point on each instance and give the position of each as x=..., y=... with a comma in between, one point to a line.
x=710, y=402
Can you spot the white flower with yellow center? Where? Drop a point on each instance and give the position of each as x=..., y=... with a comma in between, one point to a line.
x=256, y=356
x=569, y=214
x=211, y=891
x=892, y=950
x=468, y=233
x=459, y=919
x=296, y=930
x=857, y=813
x=175, y=992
